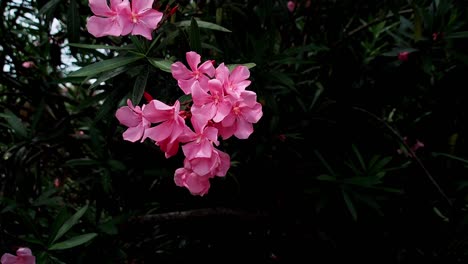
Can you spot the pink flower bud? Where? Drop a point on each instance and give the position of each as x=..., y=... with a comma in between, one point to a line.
x=403, y=56
x=28, y=64
x=291, y=6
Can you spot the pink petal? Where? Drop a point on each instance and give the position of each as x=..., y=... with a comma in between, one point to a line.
x=128, y=117
x=160, y=132
x=215, y=87
x=23, y=252
x=193, y=59
x=197, y=185
x=134, y=134
x=98, y=27
x=225, y=163
x=229, y=120
x=156, y=111
x=252, y=115
x=180, y=72
x=199, y=96
x=139, y=6
x=224, y=108
x=151, y=18
x=170, y=148
x=244, y=129
x=227, y=131
x=211, y=133
x=186, y=85
x=27, y=260
x=249, y=98
x=240, y=73
x=179, y=176
x=8, y=258
x=204, y=166
x=142, y=30
x=204, y=113
x=100, y=8
x=222, y=73
x=207, y=68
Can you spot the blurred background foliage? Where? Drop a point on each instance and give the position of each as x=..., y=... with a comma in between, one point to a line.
x=332, y=172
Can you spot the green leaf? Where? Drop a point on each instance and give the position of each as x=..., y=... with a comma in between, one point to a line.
x=73, y=242
x=111, y=101
x=140, y=86
x=73, y=22
x=95, y=47
x=107, y=76
x=457, y=35
x=249, y=65
x=195, y=42
x=70, y=223
x=81, y=162
x=349, y=204
x=106, y=65
x=15, y=123
x=162, y=64
x=49, y=7
x=203, y=24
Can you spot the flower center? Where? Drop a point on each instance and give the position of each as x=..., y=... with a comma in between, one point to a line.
x=135, y=18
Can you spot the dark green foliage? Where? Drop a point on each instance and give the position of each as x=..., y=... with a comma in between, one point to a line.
x=330, y=173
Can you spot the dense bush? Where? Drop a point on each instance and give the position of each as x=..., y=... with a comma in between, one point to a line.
x=361, y=153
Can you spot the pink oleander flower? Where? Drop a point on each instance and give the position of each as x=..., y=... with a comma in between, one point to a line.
x=185, y=77
x=201, y=142
x=141, y=19
x=212, y=105
x=132, y=117
x=403, y=56
x=28, y=64
x=235, y=82
x=107, y=20
x=172, y=126
x=196, y=184
x=291, y=6
x=23, y=256
x=216, y=165
x=245, y=112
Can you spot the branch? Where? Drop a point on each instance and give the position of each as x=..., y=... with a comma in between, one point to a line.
x=199, y=213
x=408, y=148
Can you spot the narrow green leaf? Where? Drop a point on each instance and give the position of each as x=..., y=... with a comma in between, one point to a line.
x=359, y=157
x=249, y=65
x=73, y=242
x=93, y=46
x=203, y=24
x=195, y=42
x=108, y=75
x=70, y=223
x=81, y=162
x=111, y=102
x=457, y=35
x=73, y=22
x=49, y=7
x=164, y=65
x=15, y=123
x=349, y=204
x=106, y=65
x=140, y=86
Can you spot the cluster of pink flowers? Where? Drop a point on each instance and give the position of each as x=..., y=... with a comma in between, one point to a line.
x=121, y=18
x=23, y=256
x=221, y=106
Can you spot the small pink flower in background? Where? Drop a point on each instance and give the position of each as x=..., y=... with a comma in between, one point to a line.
x=56, y=182
x=23, y=256
x=417, y=145
x=142, y=19
x=132, y=117
x=107, y=20
x=403, y=56
x=185, y=77
x=437, y=36
x=28, y=64
x=291, y=6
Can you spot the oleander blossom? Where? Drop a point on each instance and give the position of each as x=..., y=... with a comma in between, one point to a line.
x=220, y=107
x=23, y=256
x=121, y=18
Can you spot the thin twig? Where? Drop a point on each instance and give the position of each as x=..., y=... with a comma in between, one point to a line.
x=199, y=213
x=373, y=22
x=411, y=152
